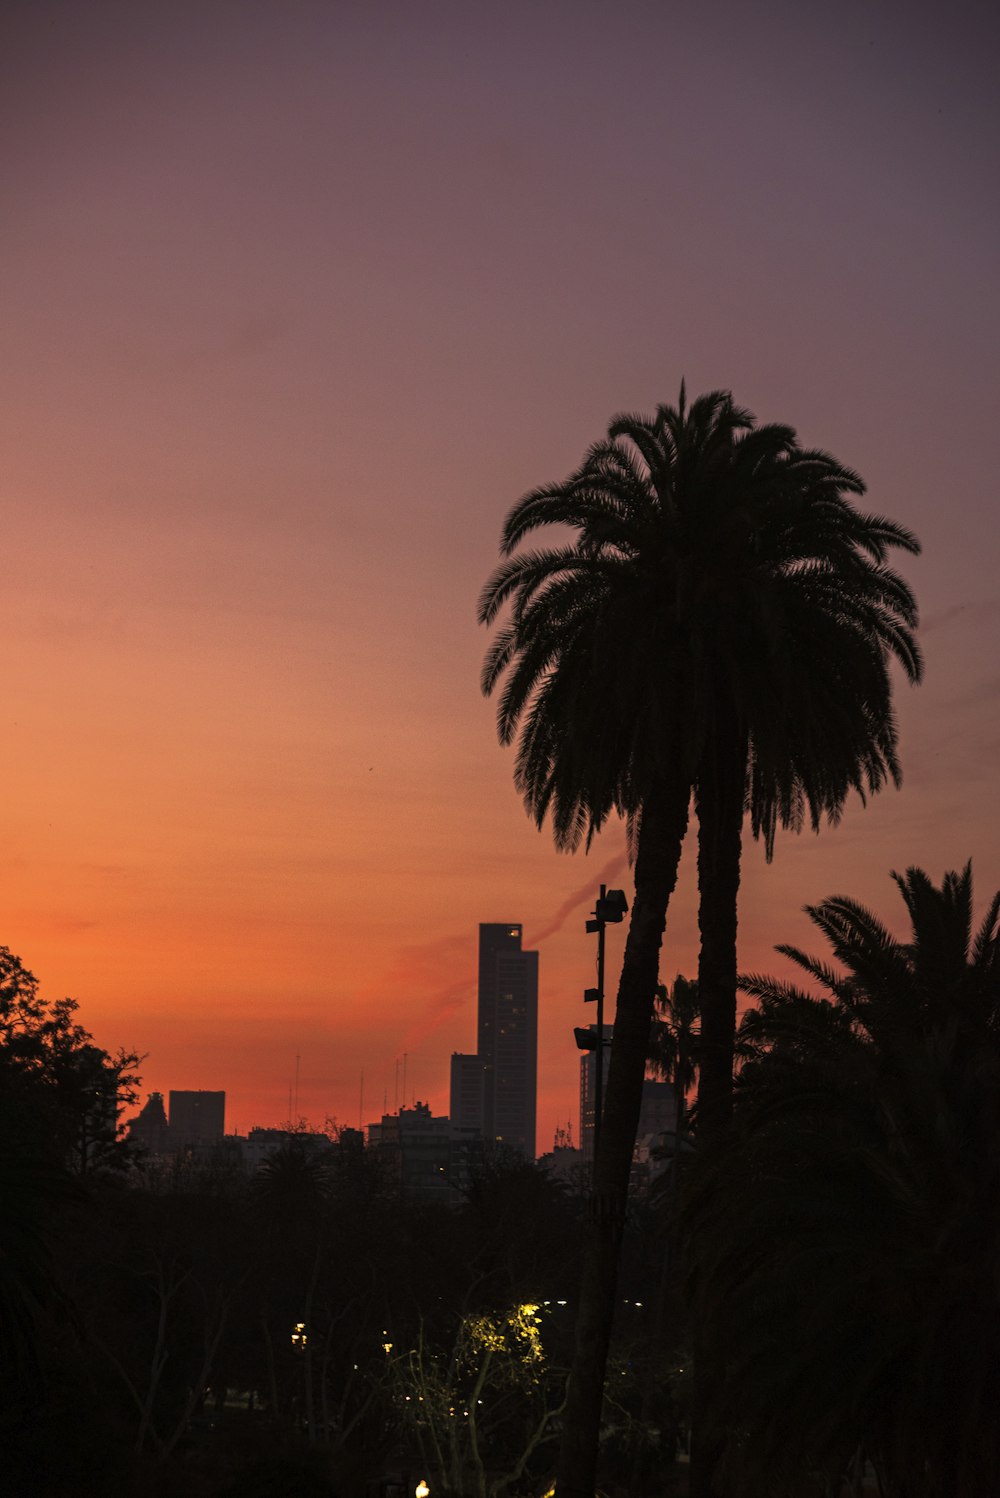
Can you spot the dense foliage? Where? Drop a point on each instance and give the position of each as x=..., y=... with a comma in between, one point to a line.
x=312, y=1330
x=846, y=1235
x=180, y=1325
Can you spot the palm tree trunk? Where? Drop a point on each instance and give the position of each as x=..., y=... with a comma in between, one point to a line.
x=668, y=1272
x=661, y=834
x=720, y=800
x=720, y=797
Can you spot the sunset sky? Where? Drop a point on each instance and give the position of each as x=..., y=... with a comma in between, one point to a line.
x=299, y=298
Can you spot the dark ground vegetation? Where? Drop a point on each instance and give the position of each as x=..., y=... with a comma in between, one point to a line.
x=835, y=1249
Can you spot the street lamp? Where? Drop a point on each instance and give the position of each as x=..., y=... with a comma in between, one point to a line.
x=610, y=909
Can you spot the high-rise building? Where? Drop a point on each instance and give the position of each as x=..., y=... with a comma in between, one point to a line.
x=508, y=1036
x=658, y=1112
x=197, y=1118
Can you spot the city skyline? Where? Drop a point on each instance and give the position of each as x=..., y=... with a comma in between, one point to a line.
x=493, y=1091
x=300, y=301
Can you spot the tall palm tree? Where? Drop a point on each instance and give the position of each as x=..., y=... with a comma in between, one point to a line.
x=719, y=622
x=859, y=1306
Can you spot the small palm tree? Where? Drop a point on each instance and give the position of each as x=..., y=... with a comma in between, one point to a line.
x=858, y=1307
x=673, y=1045
x=719, y=622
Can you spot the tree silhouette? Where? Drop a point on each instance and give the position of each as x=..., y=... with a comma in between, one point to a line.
x=857, y=1310
x=720, y=622
x=79, y=1087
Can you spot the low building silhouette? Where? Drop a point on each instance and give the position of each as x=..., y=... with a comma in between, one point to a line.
x=261, y=1144
x=425, y=1154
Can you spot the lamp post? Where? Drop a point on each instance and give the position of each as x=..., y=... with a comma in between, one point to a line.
x=610, y=909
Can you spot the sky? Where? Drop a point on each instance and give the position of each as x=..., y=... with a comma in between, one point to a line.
x=298, y=299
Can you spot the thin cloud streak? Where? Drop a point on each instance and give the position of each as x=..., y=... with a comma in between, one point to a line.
x=580, y=895
x=440, y=975
x=437, y=978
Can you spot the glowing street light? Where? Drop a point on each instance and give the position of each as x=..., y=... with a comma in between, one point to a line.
x=421, y=1490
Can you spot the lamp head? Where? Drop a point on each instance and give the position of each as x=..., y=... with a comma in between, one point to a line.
x=612, y=907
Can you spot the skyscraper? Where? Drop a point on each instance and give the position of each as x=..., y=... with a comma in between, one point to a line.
x=508, y=1036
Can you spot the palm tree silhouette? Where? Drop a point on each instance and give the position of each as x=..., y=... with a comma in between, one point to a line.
x=720, y=623
x=858, y=1309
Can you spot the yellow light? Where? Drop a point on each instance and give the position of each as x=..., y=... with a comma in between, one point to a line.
x=421, y=1490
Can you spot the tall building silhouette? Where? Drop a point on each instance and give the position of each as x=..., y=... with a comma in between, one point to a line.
x=508, y=1036
x=197, y=1118
x=658, y=1111
x=494, y=1090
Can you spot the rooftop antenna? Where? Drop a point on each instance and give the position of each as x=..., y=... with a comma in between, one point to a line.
x=395, y=1096
x=298, y=1058
x=361, y=1102
x=405, y=1053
